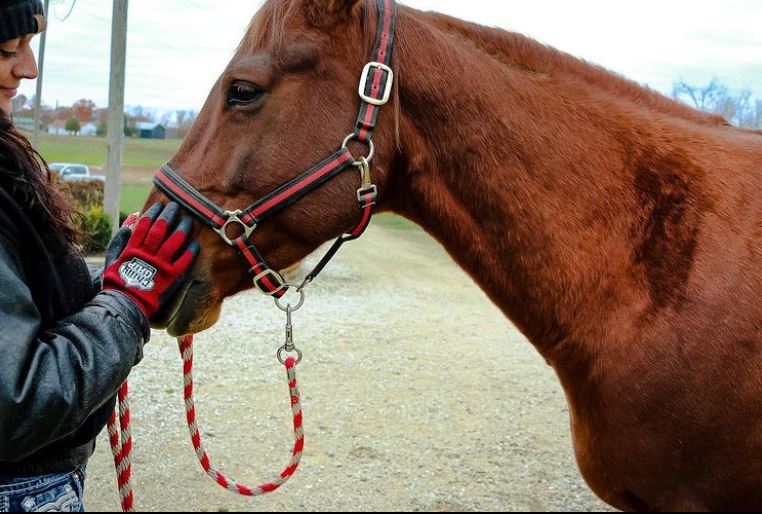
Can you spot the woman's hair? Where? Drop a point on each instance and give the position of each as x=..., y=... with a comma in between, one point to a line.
x=26, y=177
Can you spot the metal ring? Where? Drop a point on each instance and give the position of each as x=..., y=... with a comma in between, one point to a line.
x=283, y=349
x=288, y=306
x=369, y=143
x=233, y=218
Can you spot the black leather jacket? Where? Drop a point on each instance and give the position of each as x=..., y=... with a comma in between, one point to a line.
x=65, y=349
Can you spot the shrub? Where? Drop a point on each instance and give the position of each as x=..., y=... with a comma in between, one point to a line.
x=86, y=197
x=63, y=188
x=96, y=225
x=86, y=193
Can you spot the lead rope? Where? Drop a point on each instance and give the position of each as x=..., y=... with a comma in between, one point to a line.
x=186, y=349
x=120, y=439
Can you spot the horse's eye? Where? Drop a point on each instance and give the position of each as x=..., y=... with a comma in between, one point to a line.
x=242, y=94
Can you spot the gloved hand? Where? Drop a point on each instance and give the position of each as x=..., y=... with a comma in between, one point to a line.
x=117, y=245
x=148, y=264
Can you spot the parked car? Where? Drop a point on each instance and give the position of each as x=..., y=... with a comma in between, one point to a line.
x=72, y=171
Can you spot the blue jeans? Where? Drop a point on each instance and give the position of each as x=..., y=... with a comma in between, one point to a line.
x=62, y=492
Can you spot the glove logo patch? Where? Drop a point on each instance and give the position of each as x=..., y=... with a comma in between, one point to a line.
x=138, y=274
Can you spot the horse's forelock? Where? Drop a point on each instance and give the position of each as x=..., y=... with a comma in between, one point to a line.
x=268, y=27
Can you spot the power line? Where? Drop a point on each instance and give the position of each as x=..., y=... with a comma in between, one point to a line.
x=71, y=9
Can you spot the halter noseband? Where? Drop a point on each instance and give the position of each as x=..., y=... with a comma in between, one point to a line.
x=375, y=90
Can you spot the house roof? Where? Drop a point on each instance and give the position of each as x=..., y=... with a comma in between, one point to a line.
x=148, y=125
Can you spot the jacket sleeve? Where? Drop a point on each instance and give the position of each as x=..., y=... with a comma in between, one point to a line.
x=51, y=381
x=96, y=276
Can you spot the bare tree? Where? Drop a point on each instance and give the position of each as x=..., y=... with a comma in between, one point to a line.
x=180, y=117
x=739, y=108
x=18, y=103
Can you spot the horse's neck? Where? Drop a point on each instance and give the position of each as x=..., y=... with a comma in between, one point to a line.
x=531, y=183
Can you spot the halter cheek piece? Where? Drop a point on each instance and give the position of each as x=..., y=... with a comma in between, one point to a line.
x=375, y=90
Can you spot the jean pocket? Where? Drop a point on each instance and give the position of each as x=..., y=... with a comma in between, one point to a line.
x=59, y=496
x=4, y=503
x=79, y=477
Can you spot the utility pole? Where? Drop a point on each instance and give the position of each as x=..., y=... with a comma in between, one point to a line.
x=38, y=95
x=116, y=112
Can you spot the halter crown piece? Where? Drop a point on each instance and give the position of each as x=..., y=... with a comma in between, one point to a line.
x=375, y=90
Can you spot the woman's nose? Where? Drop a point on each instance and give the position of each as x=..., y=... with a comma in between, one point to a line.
x=26, y=68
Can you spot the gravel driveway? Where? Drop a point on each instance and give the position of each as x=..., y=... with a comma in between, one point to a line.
x=417, y=393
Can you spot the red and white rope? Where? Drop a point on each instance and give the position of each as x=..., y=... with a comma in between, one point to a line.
x=120, y=439
x=186, y=349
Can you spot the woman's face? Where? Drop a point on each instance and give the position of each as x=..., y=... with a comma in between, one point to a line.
x=16, y=62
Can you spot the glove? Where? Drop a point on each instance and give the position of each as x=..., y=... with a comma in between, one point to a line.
x=149, y=264
x=119, y=242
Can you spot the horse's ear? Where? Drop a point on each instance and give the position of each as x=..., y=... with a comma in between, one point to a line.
x=323, y=13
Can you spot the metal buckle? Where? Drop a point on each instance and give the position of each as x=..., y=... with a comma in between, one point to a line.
x=364, y=83
x=232, y=217
x=278, y=279
x=367, y=182
x=365, y=190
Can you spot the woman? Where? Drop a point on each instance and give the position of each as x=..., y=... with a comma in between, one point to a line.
x=65, y=347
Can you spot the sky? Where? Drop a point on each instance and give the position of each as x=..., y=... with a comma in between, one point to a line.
x=176, y=49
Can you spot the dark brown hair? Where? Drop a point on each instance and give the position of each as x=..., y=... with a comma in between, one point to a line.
x=26, y=177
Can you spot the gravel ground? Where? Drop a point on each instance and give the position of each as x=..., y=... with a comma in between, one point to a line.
x=417, y=393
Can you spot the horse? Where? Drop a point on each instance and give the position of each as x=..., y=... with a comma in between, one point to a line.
x=619, y=230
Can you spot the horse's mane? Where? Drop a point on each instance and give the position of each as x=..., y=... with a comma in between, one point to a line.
x=523, y=52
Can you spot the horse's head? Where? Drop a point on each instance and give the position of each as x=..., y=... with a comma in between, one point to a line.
x=285, y=102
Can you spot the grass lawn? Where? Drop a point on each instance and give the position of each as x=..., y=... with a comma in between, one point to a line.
x=148, y=153
x=133, y=197
x=143, y=155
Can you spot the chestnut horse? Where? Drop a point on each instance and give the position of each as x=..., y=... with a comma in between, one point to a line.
x=619, y=230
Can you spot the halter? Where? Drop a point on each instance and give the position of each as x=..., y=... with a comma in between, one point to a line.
x=375, y=90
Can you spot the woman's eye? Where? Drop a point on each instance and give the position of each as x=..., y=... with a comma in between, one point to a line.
x=7, y=54
x=243, y=93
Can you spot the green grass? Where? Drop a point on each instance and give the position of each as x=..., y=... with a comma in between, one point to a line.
x=389, y=220
x=141, y=153
x=149, y=153
x=133, y=197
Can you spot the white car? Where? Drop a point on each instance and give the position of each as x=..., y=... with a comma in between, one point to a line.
x=71, y=171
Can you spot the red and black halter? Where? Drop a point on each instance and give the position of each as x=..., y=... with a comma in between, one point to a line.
x=375, y=90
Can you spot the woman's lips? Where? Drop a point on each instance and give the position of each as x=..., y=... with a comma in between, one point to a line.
x=10, y=93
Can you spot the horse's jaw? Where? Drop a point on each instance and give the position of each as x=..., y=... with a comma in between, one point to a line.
x=191, y=311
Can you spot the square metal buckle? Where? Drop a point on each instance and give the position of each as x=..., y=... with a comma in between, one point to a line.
x=277, y=278
x=366, y=190
x=364, y=83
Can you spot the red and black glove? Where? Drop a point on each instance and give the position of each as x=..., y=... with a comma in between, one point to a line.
x=149, y=263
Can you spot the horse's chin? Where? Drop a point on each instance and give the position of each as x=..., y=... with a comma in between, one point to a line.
x=191, y=312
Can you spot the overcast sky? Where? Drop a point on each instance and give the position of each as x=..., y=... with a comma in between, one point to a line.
x=177, y=48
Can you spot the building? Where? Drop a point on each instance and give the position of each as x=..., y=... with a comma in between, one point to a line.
x=58, y=128
x=151, y=131
x=89, y=129
x=24, y=123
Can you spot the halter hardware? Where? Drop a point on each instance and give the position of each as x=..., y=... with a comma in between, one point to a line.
x=234, y=217
x=364, y=83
